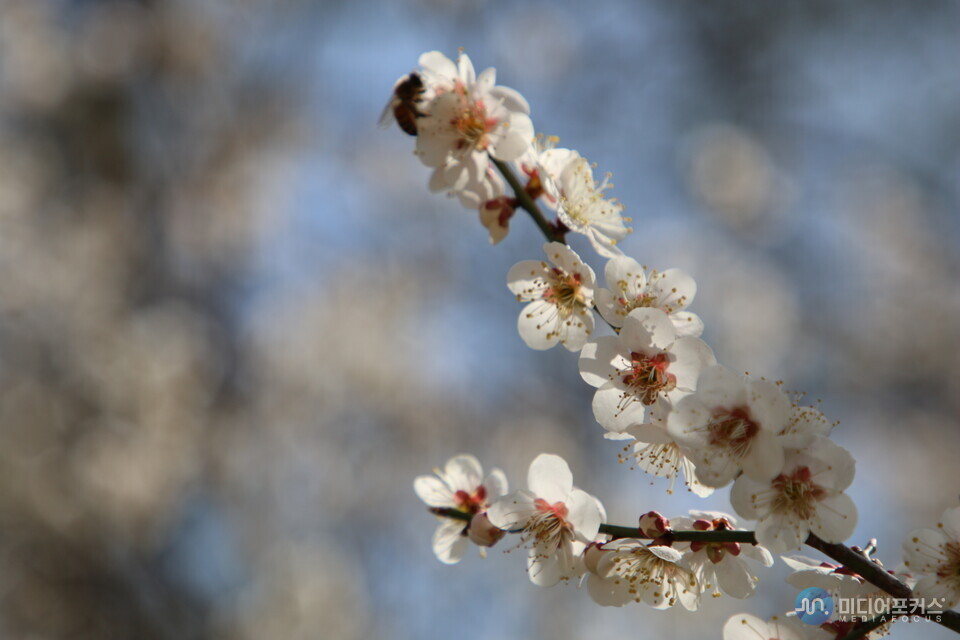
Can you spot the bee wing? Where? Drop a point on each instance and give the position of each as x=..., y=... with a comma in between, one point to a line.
x=387, y=116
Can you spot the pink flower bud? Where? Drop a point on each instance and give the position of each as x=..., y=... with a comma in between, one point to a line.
x=482, y=532
x=654, y=525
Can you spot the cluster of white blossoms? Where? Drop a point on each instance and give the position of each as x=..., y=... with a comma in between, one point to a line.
x=659, y=391
x=465, y=124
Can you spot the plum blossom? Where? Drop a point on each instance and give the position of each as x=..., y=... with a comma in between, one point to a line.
x=645, y=367
x=806, y=497
x=744, y=626
x=467, y=118
x=630, y=287
x=459, y=485
x=933, y=555
x=720, y=566
x=732, y=424
x=556, y=520
x=629, y=570
x=652, y=450
x=581, y=204
x=559, y=297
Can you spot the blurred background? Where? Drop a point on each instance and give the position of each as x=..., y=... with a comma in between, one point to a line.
x=234, y=324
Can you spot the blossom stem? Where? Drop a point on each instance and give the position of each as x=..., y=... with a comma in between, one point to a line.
x=526, y=202
x=856, y=562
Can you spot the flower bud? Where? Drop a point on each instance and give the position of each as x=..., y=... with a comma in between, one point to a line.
x=653, y=525
x=482, y=532
x=495, y=216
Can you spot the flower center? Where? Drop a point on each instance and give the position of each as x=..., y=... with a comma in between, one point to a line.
x=471, y=502
x=648, y=377
x=471, y=121
x=642, y=300
x=644, y=570
x=951, y=569
x=549, y=523
x=797, y=493
x=564, y=291
x=732, y=429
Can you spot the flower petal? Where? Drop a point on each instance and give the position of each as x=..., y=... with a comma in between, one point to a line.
x=527, y=280
x=537, y=325
x=496, y=484
x=550, y=478
x=692, y=356
x=583, y=512
x=437, y=64
x=765, y=459
x=781, y=533
x=517, y=138
x=433, y=491
x=924, y=550
x=734, y=578
x=768, y=405
x=687, y=324
x=463, y=472
x=615, y=410
x=596, y=360
x=741, y=497
x=512, y=511
x=449, y=543
x=647, y=331
x=511, y=99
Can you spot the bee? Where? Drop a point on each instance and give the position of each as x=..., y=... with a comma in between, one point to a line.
x=403, y=103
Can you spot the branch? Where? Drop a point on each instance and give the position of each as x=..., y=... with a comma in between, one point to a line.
x=526, y=202
x=875, y=575
x=847, y=557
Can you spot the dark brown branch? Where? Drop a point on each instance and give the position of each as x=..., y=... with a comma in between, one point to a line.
x=844, y=555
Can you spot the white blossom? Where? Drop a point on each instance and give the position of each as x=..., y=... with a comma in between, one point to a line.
x=628, y=570
x=556, y=520
x=806, y=497
x=581, y=203
x=467, y=118
x=459, y=485
x=646, y=365
x=732, y=424
x=559, y=297
x=630, y=287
